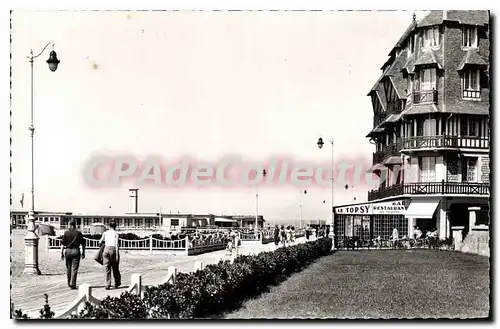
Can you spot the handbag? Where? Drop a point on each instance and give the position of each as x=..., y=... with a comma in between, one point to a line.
x=98, y=256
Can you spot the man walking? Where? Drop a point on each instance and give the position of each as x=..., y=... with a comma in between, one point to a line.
x=70, y=248
x=111, y=255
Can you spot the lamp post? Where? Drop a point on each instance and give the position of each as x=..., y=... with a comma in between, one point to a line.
x=257, y=201
x=301, y=216
x=31, y=238
x=332, y=224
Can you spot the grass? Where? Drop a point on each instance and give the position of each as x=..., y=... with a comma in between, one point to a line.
x=380, y=284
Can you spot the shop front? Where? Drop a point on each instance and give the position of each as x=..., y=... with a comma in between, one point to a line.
x=368, y=221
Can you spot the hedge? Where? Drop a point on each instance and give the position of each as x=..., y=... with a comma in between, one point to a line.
x=214, y=290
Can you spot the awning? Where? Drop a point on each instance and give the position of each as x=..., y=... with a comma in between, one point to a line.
x=225, y=220
x=377, y=166
x=392, y=160
x=420, y=109
x=422, y=209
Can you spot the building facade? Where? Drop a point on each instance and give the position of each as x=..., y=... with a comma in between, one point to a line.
x=431, y=131
x=170, y=223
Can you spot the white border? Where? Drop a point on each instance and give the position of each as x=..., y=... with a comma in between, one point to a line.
x=179, y=5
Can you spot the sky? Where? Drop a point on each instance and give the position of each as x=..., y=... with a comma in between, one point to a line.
x=198, y=84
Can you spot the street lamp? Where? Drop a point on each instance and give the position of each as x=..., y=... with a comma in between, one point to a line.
x=257, y=200
x=31, y=238
x=332, y=234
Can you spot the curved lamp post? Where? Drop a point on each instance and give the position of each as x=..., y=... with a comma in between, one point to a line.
x=332, y=234
x=31, y=238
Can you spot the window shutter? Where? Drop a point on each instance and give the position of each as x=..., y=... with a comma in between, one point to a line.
x=474, y=40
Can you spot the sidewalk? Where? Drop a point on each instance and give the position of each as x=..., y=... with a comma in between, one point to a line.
x=28, y=291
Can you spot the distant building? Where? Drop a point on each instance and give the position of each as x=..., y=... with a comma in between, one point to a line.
x=168, y=222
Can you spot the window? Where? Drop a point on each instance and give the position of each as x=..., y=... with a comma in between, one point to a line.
x=427, y=170
x=469, y=36
x=470, y=84
x=148, y=222
x=469, y=170
x=427, y=79
x=128, y=222
x=431, y=37
x=411, y=44
x=469, y=127
x=409, y=85
x=174, y=222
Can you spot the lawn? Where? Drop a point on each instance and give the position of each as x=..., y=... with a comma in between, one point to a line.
x=380, y=284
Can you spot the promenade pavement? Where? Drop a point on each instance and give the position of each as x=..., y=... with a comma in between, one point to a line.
x=27, y=292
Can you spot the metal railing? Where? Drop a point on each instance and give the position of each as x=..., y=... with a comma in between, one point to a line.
x=445, y=142
x=463, y=188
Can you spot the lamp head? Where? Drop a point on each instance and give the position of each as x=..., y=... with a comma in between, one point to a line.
x=53, y=61
x=320, y=142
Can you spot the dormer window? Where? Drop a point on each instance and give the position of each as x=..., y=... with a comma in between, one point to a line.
x=431, y=37
x=470, y=83
x=469, y=36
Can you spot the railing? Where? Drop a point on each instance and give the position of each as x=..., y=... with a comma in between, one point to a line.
x=446, y=142
x=443, y=187
x=250, y=236
x=425, y=97
x=149, y=243
x=388, y=150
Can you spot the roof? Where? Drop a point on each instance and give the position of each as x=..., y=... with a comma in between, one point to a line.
x=392, y=160
x=427, y=58
x=420, y=109
x=472, y=57
x=410, y=64
x=381, y=96
x=375, y=131
x=467, y=17
x=406, y=34
x=393, y=118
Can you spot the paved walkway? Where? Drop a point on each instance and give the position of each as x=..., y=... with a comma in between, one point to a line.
x=27, y=292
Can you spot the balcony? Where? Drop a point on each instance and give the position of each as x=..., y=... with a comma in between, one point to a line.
x=425, y=97
x=443, y=188
x=445, y=142
x=389, y=150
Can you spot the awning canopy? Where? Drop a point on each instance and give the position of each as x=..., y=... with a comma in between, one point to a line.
x=375, y=167
x=422, y=209
x=225, y=220
x=393, y=160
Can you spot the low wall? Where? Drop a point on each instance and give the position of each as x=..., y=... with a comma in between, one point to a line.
x=477, y=241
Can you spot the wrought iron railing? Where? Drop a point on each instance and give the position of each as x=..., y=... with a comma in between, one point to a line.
x=445, y=141
x=425, y=97
x=463, y=188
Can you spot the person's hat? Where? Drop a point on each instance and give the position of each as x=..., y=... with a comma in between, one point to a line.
x=72, y=222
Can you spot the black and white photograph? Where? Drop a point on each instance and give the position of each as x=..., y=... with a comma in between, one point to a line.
x=250, y=164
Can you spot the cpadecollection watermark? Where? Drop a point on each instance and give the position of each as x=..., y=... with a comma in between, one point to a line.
x=111, y=171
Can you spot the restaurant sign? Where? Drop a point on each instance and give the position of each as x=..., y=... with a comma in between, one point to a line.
x=382, y=208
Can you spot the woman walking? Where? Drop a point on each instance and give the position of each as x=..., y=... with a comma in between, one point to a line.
x=111, y=256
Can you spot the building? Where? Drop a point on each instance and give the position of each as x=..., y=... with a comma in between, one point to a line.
x=170, y=223
x=431, y=131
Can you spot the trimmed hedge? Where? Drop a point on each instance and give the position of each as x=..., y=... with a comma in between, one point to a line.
x=214, y=290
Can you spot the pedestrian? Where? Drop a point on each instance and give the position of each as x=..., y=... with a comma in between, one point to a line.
x=70, y=249
x=111, y=255
x=276, y=235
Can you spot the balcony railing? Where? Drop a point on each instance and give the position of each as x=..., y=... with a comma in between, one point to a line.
x=445, y=142
x=389, y=150
x=442, y=188
x=425, y=97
